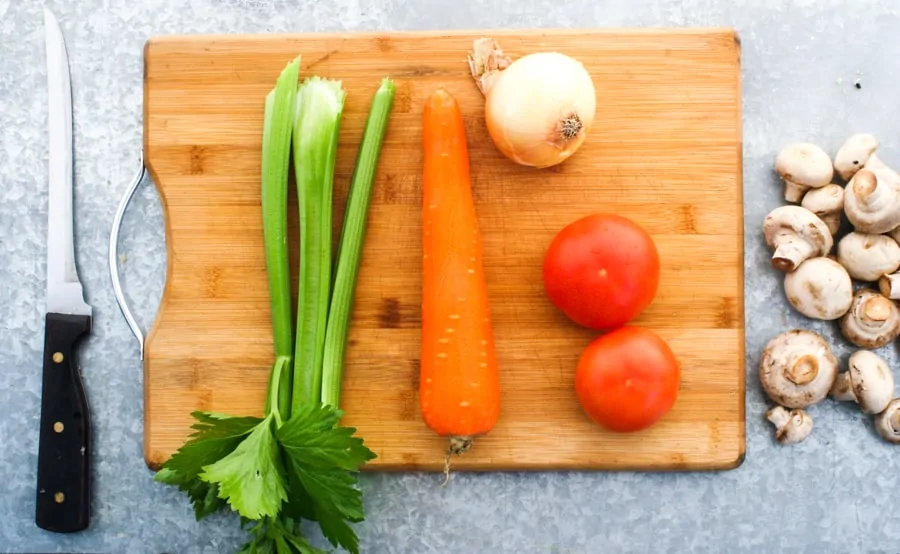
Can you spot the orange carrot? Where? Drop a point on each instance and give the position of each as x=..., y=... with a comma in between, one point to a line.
x=459, y=385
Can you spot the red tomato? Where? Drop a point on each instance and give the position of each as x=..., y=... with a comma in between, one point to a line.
x=627, y=379
x=602, y=271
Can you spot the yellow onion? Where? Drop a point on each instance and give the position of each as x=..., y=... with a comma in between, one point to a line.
x=538, y=108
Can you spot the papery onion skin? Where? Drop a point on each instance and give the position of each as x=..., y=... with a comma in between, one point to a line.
x=540, y=108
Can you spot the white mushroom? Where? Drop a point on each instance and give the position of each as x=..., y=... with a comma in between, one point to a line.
x=792, y=426
x=797, y=368
x=872, y=320
x=872, y=200
x=820, y=288
x=887, y=423
x=889, y=285
x=894, y=234
x=828, y=204
x=803, y=166
x=868, y=256
x=795, y=234
x=868, y=382
x=857, y=152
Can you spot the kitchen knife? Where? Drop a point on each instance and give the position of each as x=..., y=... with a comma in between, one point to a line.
x=64, y=450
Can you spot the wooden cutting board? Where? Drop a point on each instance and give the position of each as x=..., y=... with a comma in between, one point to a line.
x=665, y=151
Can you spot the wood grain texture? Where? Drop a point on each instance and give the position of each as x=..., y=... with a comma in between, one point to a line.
x=665, y=151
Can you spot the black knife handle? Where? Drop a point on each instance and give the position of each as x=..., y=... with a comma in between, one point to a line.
x=64, y=450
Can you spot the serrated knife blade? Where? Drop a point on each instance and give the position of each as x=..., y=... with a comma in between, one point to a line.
x=64, y=447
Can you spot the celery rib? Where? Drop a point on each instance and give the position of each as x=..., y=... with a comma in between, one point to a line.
x=351, y=242
x=318, y=110
x=275, y=162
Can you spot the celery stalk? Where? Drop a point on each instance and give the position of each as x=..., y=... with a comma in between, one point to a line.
x=317, y=115
x=276, y=151
x=351, y=242
x=293, y=463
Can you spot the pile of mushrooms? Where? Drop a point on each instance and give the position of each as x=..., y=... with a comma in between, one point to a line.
x=835, y=242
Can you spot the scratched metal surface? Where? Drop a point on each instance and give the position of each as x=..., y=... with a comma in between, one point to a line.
x=813, y=71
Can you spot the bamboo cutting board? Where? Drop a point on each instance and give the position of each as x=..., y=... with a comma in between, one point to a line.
x=665, y=151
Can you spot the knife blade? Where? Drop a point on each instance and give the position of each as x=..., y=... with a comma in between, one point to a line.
x=64, y=447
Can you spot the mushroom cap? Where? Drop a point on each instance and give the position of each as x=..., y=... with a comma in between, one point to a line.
x=868, y=382
x=872, y=200
x=854, y=154
x=872, y=321
x=827, y=203
x=797, y=368
x=820, y=288
x=792, y=426
x=887, y=423
x=795, y=234
x=868, y=256
x=804, y=164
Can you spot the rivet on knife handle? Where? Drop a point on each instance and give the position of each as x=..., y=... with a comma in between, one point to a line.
x=64, y=452
x=113, y=254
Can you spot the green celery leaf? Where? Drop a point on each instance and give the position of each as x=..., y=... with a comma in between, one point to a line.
x=281, y=545
x=168, y=476
x=299, y=505
x=206, y=499
x=335, y=486
x=251, y=478
x=250, y=547
x=312, y=435
x=337, y=531
x=214, y=436
x=325, y=459
x=290, y=531
x=203, y=496
x=302, y=546
x=278, y=536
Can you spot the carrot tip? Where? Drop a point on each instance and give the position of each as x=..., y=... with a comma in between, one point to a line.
x=458, y=446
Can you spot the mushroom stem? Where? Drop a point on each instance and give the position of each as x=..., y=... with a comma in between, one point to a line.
x=794, y=192
x=803, y=370
x=778, y=416
x=791, y=426
x=795, y=234
x=878, y=308
x=841, y=391
x=788, y=255
x=872, y=320
x=797, y=368
x=865, y=185
x=887, y=423
x=889, y=285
